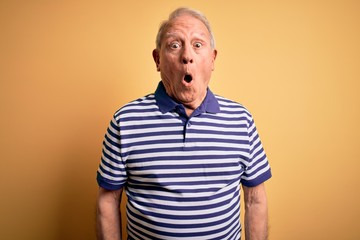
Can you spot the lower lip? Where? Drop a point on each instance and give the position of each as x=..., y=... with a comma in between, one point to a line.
x=187, y=84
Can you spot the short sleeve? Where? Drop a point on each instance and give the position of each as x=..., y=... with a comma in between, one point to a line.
x=111, y=173
x=257, y=168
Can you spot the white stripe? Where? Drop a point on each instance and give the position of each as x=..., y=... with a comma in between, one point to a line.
x=187, y=170
x=141, y=107
x=222, y=129
x=150, y=130
x=217, y=136
x=140, y=114
x=258, y=165
x=112, y=163
x=220, y=121
x=104, y=175
x=187, y=195
x=183, y=154
x=113, y=147
x=172, y=181
x=152, y=138
x=183, y=162
x=163, y=146
x=152, y=121
x=256, y=174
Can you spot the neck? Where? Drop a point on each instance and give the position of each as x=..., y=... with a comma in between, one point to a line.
x=188, y=111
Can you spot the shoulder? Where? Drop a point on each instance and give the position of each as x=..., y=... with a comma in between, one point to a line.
x=142, y=104
x=228, y=106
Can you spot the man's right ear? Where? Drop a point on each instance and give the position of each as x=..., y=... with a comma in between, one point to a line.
x=156, y=57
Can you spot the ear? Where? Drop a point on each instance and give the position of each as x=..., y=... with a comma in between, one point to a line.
x=156, y=57
x=213, y=60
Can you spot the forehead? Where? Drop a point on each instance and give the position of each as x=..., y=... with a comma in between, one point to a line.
x=186, y=24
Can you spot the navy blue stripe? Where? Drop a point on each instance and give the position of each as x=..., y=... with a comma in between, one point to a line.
x=116, y=127
x=112, y=151
x=141, y=185
x=143, y=110
x=179, y=149
x=114, y=135
x=106, y=164
x=192, y=166
x=258, y=168
x=229, y=120
x=145, y=118
x=184, y=174
x=235, y=205
x=219, y=132
x=152, y=125
x=151, y=134
x=180, y=198
x=112, y=174
x=260, y=179
x=180, y=158
x=111, y=142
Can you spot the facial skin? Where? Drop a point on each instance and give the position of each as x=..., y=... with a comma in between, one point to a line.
x=185, y=51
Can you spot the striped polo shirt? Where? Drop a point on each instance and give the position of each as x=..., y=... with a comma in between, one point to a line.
x=182, y=174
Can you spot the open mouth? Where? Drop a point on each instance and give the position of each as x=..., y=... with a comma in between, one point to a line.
x=188, y=78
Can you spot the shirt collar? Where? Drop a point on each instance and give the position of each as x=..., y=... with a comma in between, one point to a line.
x=166, y=103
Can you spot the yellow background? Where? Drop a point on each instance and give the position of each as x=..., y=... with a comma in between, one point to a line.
x=66, y=66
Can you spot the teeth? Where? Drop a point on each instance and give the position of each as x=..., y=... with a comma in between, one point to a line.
x=188, y=78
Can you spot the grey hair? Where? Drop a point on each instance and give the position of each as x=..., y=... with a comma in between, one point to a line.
x=180, y=12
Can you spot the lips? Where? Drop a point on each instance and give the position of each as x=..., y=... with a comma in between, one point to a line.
x=188, y=78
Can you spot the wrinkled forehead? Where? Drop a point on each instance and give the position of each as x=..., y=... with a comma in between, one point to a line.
x=186, y=24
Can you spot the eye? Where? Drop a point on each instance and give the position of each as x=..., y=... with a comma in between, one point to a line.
x=174, y=45
x=198, y=45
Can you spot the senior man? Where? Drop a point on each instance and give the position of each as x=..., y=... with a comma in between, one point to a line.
x=182, y=154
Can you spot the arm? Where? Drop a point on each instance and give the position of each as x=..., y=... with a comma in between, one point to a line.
x=256, y=213
x=108, y=214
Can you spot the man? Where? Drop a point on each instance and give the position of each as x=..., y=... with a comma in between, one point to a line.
x=182, y=154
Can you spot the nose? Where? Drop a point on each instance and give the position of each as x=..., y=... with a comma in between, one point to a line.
x=187, y=56
x=187, y=60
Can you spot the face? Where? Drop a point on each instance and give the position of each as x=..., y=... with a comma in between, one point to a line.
x=186, y=60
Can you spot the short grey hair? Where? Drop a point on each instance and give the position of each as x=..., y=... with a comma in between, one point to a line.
x=180, y=12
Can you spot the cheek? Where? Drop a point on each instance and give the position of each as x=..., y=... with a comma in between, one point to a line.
x=208, y=67
x=168, y=58
x=167, y=71
x=170, y=65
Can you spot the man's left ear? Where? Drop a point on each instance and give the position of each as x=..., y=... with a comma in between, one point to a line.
x=214, y=57
x=156, y=58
